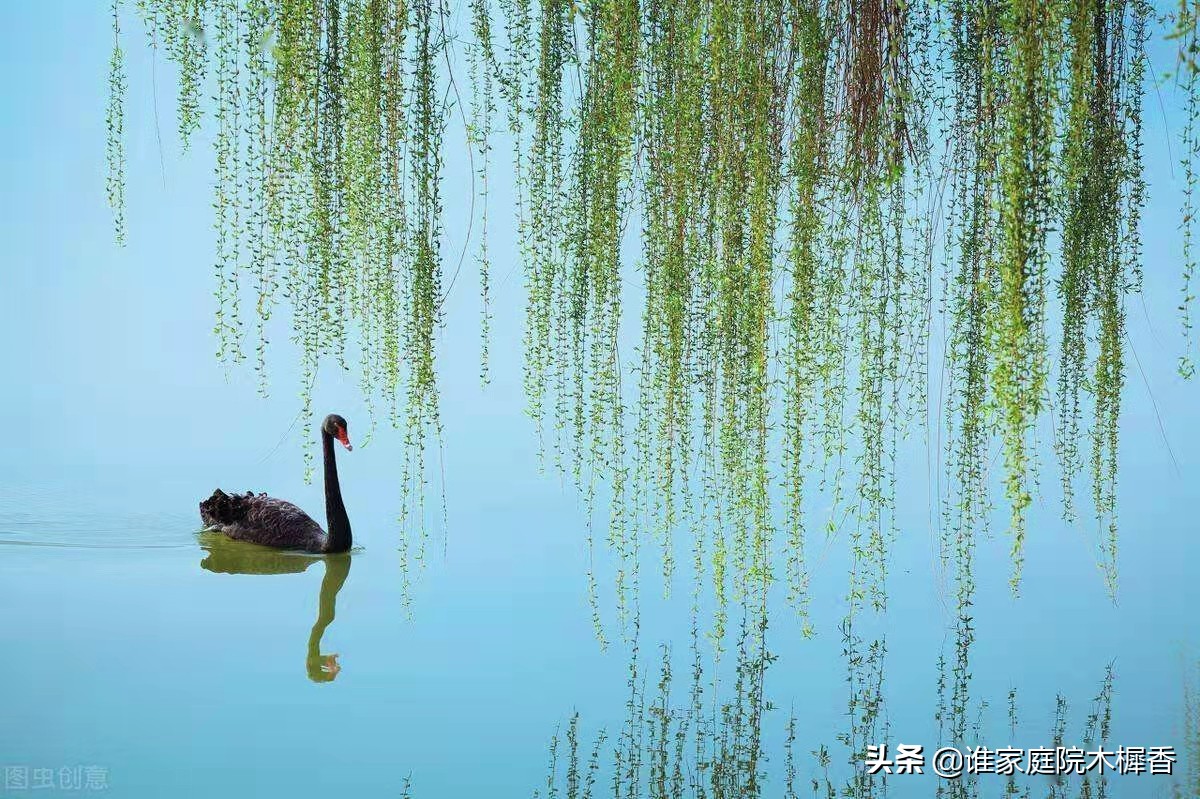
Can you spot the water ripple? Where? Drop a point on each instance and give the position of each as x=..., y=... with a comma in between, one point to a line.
x=40, y=517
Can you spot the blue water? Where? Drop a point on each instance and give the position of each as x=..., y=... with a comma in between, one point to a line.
x=122, y=652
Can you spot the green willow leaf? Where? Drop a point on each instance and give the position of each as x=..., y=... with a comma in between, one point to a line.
x=796, y=192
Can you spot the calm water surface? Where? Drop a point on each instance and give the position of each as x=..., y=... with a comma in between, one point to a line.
x=187, y=665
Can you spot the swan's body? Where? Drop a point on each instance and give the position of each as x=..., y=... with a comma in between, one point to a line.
x=263, y=520
x=278, y=523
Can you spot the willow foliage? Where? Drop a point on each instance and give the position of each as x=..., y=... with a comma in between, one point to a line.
x=115, y=124
x=1101, y=252
x=1187, y=33
x=328, y=120
x=793, y=179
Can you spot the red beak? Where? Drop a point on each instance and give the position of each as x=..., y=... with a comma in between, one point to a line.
x=344, y=437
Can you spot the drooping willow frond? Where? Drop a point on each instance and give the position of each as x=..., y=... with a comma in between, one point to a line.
x=328, y=119
x=1187, y=32
x=115, y=125
x=787, y=180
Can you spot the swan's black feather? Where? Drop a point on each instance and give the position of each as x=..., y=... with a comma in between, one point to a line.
x=262, y=520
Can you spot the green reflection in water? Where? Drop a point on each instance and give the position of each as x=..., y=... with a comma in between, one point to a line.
x=704, y=745
x=224, y=556
x=706, y=738
x=1189, y=780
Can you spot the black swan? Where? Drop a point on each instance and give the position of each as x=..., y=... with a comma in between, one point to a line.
x=278, y=523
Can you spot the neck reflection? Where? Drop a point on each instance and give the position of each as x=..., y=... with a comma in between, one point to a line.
x=223, y=556
x=325, y=668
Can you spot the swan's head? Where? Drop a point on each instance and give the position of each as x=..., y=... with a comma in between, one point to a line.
x=335, y=426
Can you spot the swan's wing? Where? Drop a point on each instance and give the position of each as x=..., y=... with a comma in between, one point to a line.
x=271, y=522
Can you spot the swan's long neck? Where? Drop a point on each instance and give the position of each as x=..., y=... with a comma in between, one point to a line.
x=337, y=523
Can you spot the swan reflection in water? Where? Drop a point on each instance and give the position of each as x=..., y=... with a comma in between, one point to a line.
x=224, y=556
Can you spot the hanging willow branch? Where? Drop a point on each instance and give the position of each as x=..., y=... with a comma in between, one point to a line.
x=115, y=125
x=780, y=168
x=1104, y=191
x=328, y=118
x=1187, y=32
